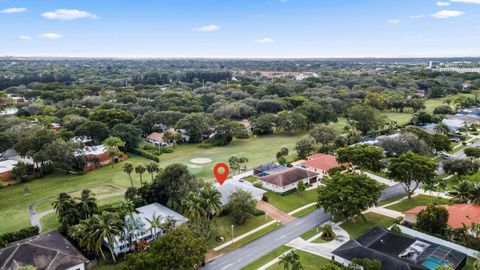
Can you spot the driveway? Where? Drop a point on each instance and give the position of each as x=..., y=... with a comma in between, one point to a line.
x=274, y=212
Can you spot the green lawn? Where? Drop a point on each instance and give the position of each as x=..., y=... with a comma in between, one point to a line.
x=339, y=126
x=250, y=238
x=305, y=211
x=266, y=258
x=49, y=223
x=311, y=233
x=394, y=199
x=401, y=118
x=293, y=200
x=419, y=200
x=224, y=227
x=309, y=261
x=360, y=226
x=252, y=179
x=13, y=204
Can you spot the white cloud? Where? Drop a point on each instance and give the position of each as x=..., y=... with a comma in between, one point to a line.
x=443, y=4
x=393, y=21
x=445, y=14
x=51, y=36
x=467, y=1
x=24, y=37
x=68, y=14
x=208, y=28
x=417, y=16
x=265, y=40
x=13, y=10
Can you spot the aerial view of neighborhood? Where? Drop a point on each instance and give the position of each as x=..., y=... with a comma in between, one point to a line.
x=240, y=135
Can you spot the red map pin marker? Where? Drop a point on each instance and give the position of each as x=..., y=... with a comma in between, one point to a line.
x=221, y=177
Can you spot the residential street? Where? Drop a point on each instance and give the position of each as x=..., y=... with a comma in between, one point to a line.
x=267, y=243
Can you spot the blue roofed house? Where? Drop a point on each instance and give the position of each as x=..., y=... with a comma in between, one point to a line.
x=138, y=227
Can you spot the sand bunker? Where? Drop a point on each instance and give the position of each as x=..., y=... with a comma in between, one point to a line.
x=200, y=160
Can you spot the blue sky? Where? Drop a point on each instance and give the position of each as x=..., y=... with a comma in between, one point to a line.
x=240, y=28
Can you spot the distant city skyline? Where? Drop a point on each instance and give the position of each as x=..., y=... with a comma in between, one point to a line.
x=240, y=28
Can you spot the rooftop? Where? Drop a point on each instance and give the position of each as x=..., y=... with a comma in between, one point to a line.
x=7, y=165
x=46, y=251
x=458, y=214
x=321, y=161
x=230, y=187
x=288, y=176
x=155, y=136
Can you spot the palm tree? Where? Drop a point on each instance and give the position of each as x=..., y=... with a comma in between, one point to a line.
x=211, y=198
x=63, y=203
x=128, y=168
x=155, y=224
x=461, y=192
x=291, y=258
x=442, y=129
x=152, y=168
x=88, y=204
x=100, y=228
x=193, y=207
x=327, y=232
x=140, y=169
x=474, y=196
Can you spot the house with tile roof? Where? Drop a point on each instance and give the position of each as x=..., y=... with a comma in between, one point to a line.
x=320, y=163
x=458, y=215
x=284, y=180
x=50, y=251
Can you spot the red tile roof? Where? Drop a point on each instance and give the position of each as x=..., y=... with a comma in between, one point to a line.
x=155, y=136
x=321, y=161
x=458, y=214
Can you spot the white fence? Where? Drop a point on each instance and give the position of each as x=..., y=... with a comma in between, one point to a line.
x=470, y=252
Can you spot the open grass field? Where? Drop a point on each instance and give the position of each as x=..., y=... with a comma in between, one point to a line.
x=49, y=223
x=13, y=204
x=360, y=226
x=258, y=150
x=400, y=118
x=418, y=201
x=293, y=200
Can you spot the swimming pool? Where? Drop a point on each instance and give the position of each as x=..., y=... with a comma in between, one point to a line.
x=432, y=263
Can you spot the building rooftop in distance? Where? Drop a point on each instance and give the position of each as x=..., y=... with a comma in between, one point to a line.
x=458, y=214
x=7, y=165
x=289, y=176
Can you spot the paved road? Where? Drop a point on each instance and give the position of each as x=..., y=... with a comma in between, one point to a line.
x=269, y=242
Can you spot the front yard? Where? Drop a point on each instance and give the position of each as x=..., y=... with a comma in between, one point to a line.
x=293, y=200
x=419, y=200
x=360, y=226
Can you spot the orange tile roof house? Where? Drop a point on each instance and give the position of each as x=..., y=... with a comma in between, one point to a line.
x=156, y=138
x=459, y=214
x=320, y=163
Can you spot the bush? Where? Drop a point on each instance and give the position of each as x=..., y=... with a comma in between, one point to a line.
x=288, y=192
x=166, y=150
x=146, y=154
x=205, y=146
x=258, y=184
x=395, y=229
x=258, y=212
x=398, y=220
x=265, y=198
x=18, y=235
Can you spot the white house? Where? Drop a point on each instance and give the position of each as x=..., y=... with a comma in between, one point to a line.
x=138, y=226
x=285, y=180
x=231, y=186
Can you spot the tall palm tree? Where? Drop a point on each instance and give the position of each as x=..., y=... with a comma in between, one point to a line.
x=128, y=168
x=155, y=224
x=211, y=198
x=140, y=169
x=101, y=228
x=193, y=207
x=461, y=192
x=152, y=168
x=291, y=258
x=63, y=203
x=88, y=203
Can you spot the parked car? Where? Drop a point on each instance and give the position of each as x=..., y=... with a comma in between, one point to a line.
x=455, y=139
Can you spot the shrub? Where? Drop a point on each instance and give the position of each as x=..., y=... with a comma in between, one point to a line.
x=289, y=192
x=258, y=184
x=265, y=198
x=146, y=154
x=205, y=146
x=258, y=212
x=395, y=229
x=18, y=235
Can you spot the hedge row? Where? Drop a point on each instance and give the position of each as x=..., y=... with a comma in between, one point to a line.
x=18, y=235
x=146, y=154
